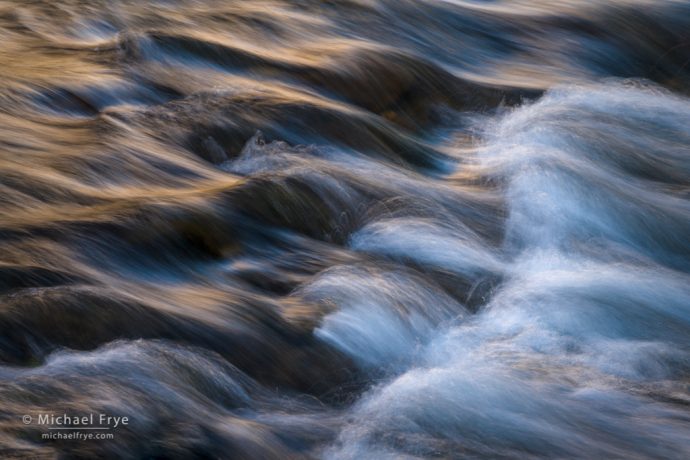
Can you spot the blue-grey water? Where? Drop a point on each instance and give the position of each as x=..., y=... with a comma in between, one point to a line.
x=357, y=229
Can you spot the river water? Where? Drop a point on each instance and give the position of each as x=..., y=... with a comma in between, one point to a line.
x=346, y=229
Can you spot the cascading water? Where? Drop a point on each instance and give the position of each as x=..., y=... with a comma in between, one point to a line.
x=357, y=229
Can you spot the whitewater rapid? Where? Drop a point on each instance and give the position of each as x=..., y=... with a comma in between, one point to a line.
x=582, y=348
x=343, y=230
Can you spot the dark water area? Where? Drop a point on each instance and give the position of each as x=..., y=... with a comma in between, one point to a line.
x=385, y=229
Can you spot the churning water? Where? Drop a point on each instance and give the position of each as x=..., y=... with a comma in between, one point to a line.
x=346, y=229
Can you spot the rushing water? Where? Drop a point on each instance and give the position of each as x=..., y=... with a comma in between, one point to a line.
x=346, y=229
